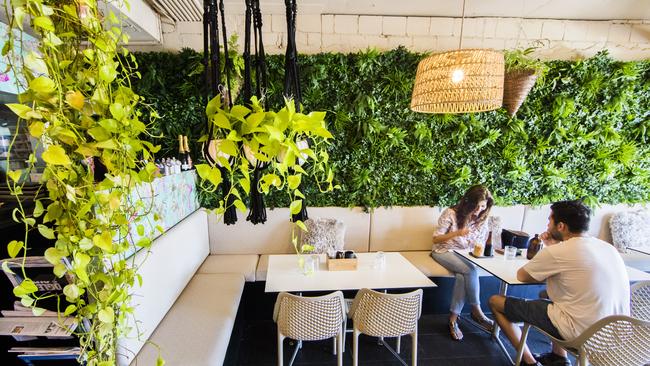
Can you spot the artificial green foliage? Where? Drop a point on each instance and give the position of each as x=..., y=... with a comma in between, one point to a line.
x=582, y=132
x=78, y=103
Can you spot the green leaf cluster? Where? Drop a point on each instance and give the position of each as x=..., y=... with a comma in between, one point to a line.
x=79, y=105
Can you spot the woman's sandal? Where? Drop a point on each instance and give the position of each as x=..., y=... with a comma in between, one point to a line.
x=454, y=331
x=483, y=322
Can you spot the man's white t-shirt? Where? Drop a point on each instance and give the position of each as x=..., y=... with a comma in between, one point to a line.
x=586, y=280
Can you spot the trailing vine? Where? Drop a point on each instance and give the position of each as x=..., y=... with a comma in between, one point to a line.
x=583, y=131
x=79, y=105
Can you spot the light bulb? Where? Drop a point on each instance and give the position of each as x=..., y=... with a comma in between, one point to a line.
x=457, y=76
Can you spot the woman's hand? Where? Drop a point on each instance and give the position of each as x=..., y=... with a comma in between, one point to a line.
x=462, y=232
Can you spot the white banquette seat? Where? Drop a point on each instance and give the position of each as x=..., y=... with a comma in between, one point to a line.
x=194, y=274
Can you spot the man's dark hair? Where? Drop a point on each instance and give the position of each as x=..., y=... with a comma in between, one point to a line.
x=574, y=214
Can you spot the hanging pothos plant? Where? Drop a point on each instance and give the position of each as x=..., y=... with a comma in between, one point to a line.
x=78, y=103
x=281, y=140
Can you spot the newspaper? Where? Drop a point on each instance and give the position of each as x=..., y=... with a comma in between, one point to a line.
x=45, y=350
x=38, y=326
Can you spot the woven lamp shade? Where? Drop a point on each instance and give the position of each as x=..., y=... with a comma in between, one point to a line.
x=460, y=81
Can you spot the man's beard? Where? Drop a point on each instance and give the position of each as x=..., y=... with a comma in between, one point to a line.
x=556, y=235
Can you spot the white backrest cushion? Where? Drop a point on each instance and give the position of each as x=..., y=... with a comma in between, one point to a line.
x=166, y=269
x=512, y=217
x=536, y=219
x=402, y=228
x=356, y=221
x=272, y=237
x=630, y=229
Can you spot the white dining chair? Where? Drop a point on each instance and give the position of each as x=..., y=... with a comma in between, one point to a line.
x=310, y=319
x=640, y=300
x=384, y=315
x=613, y=341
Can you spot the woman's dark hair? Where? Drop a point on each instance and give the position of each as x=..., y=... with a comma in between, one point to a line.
x=574, y=214
x=469, y=202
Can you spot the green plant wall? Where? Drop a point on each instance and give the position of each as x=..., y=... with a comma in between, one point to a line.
x=582, y=133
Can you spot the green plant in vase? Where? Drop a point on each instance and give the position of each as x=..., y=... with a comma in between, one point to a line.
x=248, y=137
x=78, y=103
x=522, y=71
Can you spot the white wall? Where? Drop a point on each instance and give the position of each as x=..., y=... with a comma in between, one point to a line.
x=563, y=39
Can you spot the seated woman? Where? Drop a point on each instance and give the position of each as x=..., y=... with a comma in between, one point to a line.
x=460, y=227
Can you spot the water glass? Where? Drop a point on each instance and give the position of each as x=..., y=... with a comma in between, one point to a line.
x=380, y=260
x=308, y=265
x=315, y=258
x=509, y=252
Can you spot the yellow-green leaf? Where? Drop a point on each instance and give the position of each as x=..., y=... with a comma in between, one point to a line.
x=15, y=175
x=228, y=147
x=295, y=207
x=107, y=73
x=42, y=85
x=46, y=232
x=70, y=309
x=35, y=63
x=55, y=155
x=240, y=206
x=220, y=120
x=25, y=288
x=44, y=23
x=53, y=255
x=38, y=209
x=160, y=361
x=36, y=129
x=71, y=291
x=19, y=109
x=14, y=247
x=75, y=99
x=59, y=270
x=37, y=311
x=294, y=181
x=301, y=225
x=104, y=241
x=106, y=315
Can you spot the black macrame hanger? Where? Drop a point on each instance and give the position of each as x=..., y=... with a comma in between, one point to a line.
x=213, y=87
x=292, y=78
x=257, y=213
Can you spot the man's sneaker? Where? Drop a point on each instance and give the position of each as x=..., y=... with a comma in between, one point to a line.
x=551, y=359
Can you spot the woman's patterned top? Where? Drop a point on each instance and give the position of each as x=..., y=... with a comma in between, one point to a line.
x=447, y=223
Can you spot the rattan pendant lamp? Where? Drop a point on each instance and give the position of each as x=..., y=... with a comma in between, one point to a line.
x=460, y=81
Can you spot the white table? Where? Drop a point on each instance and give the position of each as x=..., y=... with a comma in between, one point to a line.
x=506, y=271
x=644, y=250
x=284, y=274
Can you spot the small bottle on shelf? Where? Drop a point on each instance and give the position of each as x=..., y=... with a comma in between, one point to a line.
x=188, y=159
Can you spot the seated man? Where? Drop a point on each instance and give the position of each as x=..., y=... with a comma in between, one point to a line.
x=586, y=280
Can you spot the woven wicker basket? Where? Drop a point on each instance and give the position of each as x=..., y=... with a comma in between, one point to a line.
x=480, y=89
x=516, y=86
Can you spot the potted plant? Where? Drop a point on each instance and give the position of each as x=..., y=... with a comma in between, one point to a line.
x=521, y=74
x=78, y=103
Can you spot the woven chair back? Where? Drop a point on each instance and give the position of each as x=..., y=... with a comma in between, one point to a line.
x=640, y=300
x=622, y=341
x=386, y=315
x=310, y=318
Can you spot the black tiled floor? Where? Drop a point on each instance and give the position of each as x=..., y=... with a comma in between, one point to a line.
x=258, y=347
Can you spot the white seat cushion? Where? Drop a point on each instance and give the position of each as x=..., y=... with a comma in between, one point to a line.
x=637, y=260
x=197, y=329
x=262, y=268
x=423, y=261
x=244, y=264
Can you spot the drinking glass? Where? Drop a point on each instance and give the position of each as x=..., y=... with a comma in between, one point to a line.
x=509, y=252
x=308, y=265
x=380, y=260
x=315, y=258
